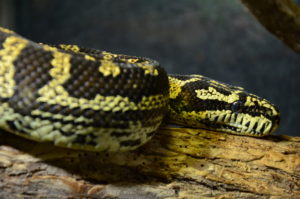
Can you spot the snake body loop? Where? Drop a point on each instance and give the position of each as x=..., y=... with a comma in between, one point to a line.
x=93, y=100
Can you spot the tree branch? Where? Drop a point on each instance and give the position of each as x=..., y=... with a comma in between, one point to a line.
x=176, y=163
x=280, y=17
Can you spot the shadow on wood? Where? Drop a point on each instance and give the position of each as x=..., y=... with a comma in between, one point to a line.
x=176, y=163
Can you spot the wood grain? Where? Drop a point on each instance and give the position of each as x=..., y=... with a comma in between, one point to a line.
x=176, y=163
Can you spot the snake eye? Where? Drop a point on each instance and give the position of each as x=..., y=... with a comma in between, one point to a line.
x=237, y=106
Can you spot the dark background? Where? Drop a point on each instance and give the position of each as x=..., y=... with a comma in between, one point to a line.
x=218, y=39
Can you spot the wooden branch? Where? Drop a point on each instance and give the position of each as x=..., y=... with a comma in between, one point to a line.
x=176, y=163
x=280, y=17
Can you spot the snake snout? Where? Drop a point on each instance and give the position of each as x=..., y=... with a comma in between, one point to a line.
x=258, y=118
x=262, y=119
x=274, y=115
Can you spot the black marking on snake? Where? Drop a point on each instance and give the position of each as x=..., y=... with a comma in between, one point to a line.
x=98, y=54
x=126, y=134
x=247, y=124
x=109, y=122
x=181, y=77
x=263, y=128
x=30, y=77
x=255, y=125
x=2, y=39
x=82, y=139
x=204, y=84
x=255, y=111
x=150, y=134
x=1, y=44
x=209, y=125
x=4, y=99
x=120, y=134
x=13, y=126
x=64, y=133
x=53, y=120
x=131, y=142
x=199, y=105
x=104, y=119
x=85, y=82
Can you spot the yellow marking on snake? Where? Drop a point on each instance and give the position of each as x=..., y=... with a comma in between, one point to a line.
x=213, y=94
x=60, y=73
x=60, y=116
x=12, y=47
x=54, y=93
x=132, y=61
x=109, y=68
x=176, y=85
x=90, y=58
x=57, y=95
x=6, y=30
x=108, y=56
x=148, y=69
x=73, y=48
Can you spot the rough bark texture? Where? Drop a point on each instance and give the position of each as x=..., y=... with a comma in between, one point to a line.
x=176, y=163
x=280, y=17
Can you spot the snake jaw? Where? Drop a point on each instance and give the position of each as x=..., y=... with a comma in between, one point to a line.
x=245, y=119
x=260, y=116
x=260, y=120
x=239, y=124
x=257, y=129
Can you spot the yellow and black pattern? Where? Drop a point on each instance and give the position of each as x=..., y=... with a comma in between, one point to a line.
x=94, y=100
x=201, y=102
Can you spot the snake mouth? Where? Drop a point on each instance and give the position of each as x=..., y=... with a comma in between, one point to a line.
x=257, y=129
x=239, y=124
x=251, y=121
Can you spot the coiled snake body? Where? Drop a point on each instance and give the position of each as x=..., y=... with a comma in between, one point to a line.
x=94, y=100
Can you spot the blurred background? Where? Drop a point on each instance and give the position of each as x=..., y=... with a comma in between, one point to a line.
x=218, y=39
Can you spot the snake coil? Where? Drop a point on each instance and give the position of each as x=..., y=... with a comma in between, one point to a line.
x=94, y=100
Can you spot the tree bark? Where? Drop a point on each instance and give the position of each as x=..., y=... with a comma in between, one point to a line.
x=280, y=17
x=176, y=163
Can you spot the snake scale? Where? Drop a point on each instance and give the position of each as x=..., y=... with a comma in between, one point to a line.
x=94, y=100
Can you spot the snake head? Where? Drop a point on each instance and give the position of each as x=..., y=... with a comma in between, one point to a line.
x=205, y=103
x=252, y=115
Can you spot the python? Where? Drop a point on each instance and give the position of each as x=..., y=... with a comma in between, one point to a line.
x=94, y=100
